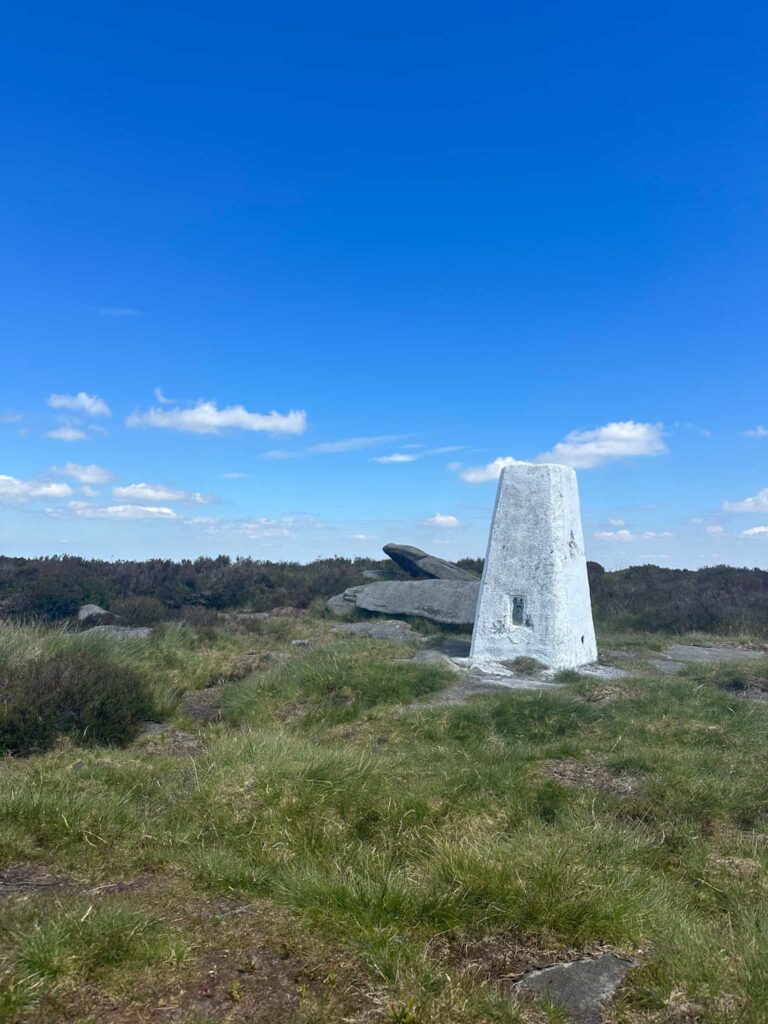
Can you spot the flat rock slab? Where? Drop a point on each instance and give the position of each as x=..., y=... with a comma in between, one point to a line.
x=380, y=629
x=692, y=653
x=581, y=988
x=122, y=632
x=450, y=601
x=604, y=672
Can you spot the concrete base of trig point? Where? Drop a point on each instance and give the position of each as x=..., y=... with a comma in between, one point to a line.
x=534, y=598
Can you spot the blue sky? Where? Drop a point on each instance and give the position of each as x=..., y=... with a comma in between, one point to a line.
x=252, y=252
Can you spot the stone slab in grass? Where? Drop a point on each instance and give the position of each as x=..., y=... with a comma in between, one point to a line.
x=122, y=632
x=694, y=653
x=379, y=629
x=582, y=988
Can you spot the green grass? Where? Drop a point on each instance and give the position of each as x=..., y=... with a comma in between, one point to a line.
x=396, y=838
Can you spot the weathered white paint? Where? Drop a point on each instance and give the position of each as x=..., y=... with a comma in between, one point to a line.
x=534, y=597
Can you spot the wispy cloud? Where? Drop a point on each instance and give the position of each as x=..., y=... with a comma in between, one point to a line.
x=83, y=510
x=714, y=530
x=161, y=398
x=352, y=444
x=158, y=492
x=757, y=503
x=11, y=417
x=67, y=434
x=622, y=536
x=91, y=405
x=207, y=418
x=118, y=311
x=85, y=474
x=443, y=521
x=414, y=456
x=758, y=431
x=235, y=476
x=755, y=531
x=13, y=490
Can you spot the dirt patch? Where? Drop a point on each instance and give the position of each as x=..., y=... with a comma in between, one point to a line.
x=292, y=711
x=504, y=957
x=739, y=867
x=585, y=776
x=23, y=879
x=168, y=741
x=202, y=705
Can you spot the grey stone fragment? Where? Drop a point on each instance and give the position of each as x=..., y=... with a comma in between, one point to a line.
x=93, y=615
x=378, y=574
x=379, y=629
x=449, y=601
x=431, y=657
x=582, y=987
x=420, y=564
x=123, y=632
x=343, y=605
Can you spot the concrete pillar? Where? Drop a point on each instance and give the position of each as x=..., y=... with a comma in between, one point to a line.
x=534, y=598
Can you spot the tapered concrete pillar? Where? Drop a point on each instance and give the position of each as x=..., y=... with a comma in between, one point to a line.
x=534, y=598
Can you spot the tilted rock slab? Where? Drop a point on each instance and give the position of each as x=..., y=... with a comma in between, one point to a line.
x=419, y=563
x=452, y=602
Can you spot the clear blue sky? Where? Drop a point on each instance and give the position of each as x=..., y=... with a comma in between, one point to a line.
x=452, y=233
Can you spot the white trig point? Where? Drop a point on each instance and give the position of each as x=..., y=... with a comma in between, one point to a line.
x=534, y=598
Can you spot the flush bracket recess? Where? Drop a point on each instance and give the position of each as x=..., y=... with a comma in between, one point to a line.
x=518, y=611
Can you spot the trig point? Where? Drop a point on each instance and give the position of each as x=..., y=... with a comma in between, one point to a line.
x=534, y=598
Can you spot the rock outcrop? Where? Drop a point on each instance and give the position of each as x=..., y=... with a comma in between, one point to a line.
x=90, y=615
x=452, y=602
x=422, y=565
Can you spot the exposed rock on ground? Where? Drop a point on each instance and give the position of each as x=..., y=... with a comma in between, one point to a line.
x=94, y=615
x=124, y=632
x=420, y=564
x=451, y=602
x=379, y=629
x=582, y=987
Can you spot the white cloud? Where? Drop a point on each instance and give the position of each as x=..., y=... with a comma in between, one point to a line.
x=653, y=535
x=585, y=449
x=713, y=531
x=157, y=492
x=758, y=431
x=454, y=467
x=81, y=402
x=235, y=476
x=14, y=490
x=89, y=492
x=362, y=536
x=252, y=529
x=160, y=397
x=67, y=434
x=615, y=535
x=482, y=474
x=756, y=531
x=86, y=511
x=352, y=444
x=118, y=311
x=758, y=503
x=207, y=418
x=397, y=457
x=412, y=456
x=85, y=474
x=438, y=519
x=617, y=522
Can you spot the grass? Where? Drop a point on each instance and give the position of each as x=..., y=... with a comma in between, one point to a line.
x=386, y=844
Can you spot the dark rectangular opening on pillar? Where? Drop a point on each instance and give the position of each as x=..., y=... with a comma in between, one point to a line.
x=518, y=611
